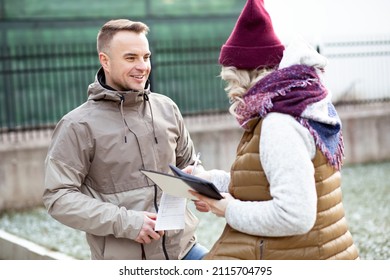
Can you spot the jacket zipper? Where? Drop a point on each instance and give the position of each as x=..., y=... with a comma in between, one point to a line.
x=163, y=237
x=261, y=249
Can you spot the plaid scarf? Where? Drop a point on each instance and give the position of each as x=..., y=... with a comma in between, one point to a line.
x=297, y=91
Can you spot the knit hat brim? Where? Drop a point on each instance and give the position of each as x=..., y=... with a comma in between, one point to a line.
x=251, y=57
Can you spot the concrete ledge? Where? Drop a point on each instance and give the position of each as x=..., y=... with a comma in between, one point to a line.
x=366, y=131
x=16, y=248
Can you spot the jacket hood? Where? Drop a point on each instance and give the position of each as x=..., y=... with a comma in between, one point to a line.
x=98, y=90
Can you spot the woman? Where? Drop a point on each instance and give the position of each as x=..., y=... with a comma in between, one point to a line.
x=284, y=198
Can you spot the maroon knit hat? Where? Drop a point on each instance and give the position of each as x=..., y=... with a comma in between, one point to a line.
x=253, y=43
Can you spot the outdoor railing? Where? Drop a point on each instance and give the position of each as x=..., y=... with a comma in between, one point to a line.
x=40, y=83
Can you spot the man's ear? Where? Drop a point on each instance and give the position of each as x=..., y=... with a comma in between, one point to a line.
x=104, y=60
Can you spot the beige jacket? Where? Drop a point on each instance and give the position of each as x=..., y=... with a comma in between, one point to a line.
x=93, y=181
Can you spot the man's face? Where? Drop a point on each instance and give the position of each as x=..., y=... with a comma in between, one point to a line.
x=127, y=62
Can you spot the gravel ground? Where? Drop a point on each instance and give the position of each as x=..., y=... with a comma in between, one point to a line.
x=366, y=190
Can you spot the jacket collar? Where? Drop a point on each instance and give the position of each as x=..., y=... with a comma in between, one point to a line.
x=98, y=90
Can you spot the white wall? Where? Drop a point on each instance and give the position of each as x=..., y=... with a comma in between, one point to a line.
x=320, y=22
x=327, y=19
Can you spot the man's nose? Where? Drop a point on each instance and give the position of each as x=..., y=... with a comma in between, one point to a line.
x=142, y=64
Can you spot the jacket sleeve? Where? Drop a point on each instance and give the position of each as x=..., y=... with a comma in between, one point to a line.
x=66, y=166
x=185, y=150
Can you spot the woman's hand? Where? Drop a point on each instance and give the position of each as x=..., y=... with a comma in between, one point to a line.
x=201, y=206
x=199, y=172
x=205, y=204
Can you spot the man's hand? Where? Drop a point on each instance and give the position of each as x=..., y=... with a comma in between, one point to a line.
x=147, y=233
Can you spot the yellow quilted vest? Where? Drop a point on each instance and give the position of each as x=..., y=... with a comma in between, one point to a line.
x=328, y=239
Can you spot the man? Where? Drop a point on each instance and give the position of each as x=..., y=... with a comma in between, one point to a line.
x=93, y=181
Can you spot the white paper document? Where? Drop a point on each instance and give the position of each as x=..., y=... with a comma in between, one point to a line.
x=170, y=213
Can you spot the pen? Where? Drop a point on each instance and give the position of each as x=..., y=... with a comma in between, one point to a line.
x=195, y=163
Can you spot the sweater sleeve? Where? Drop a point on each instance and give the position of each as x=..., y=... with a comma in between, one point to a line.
x=286, y=151
x=220, y=179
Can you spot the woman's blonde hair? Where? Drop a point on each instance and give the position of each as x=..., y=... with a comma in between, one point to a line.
x=239, y=81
